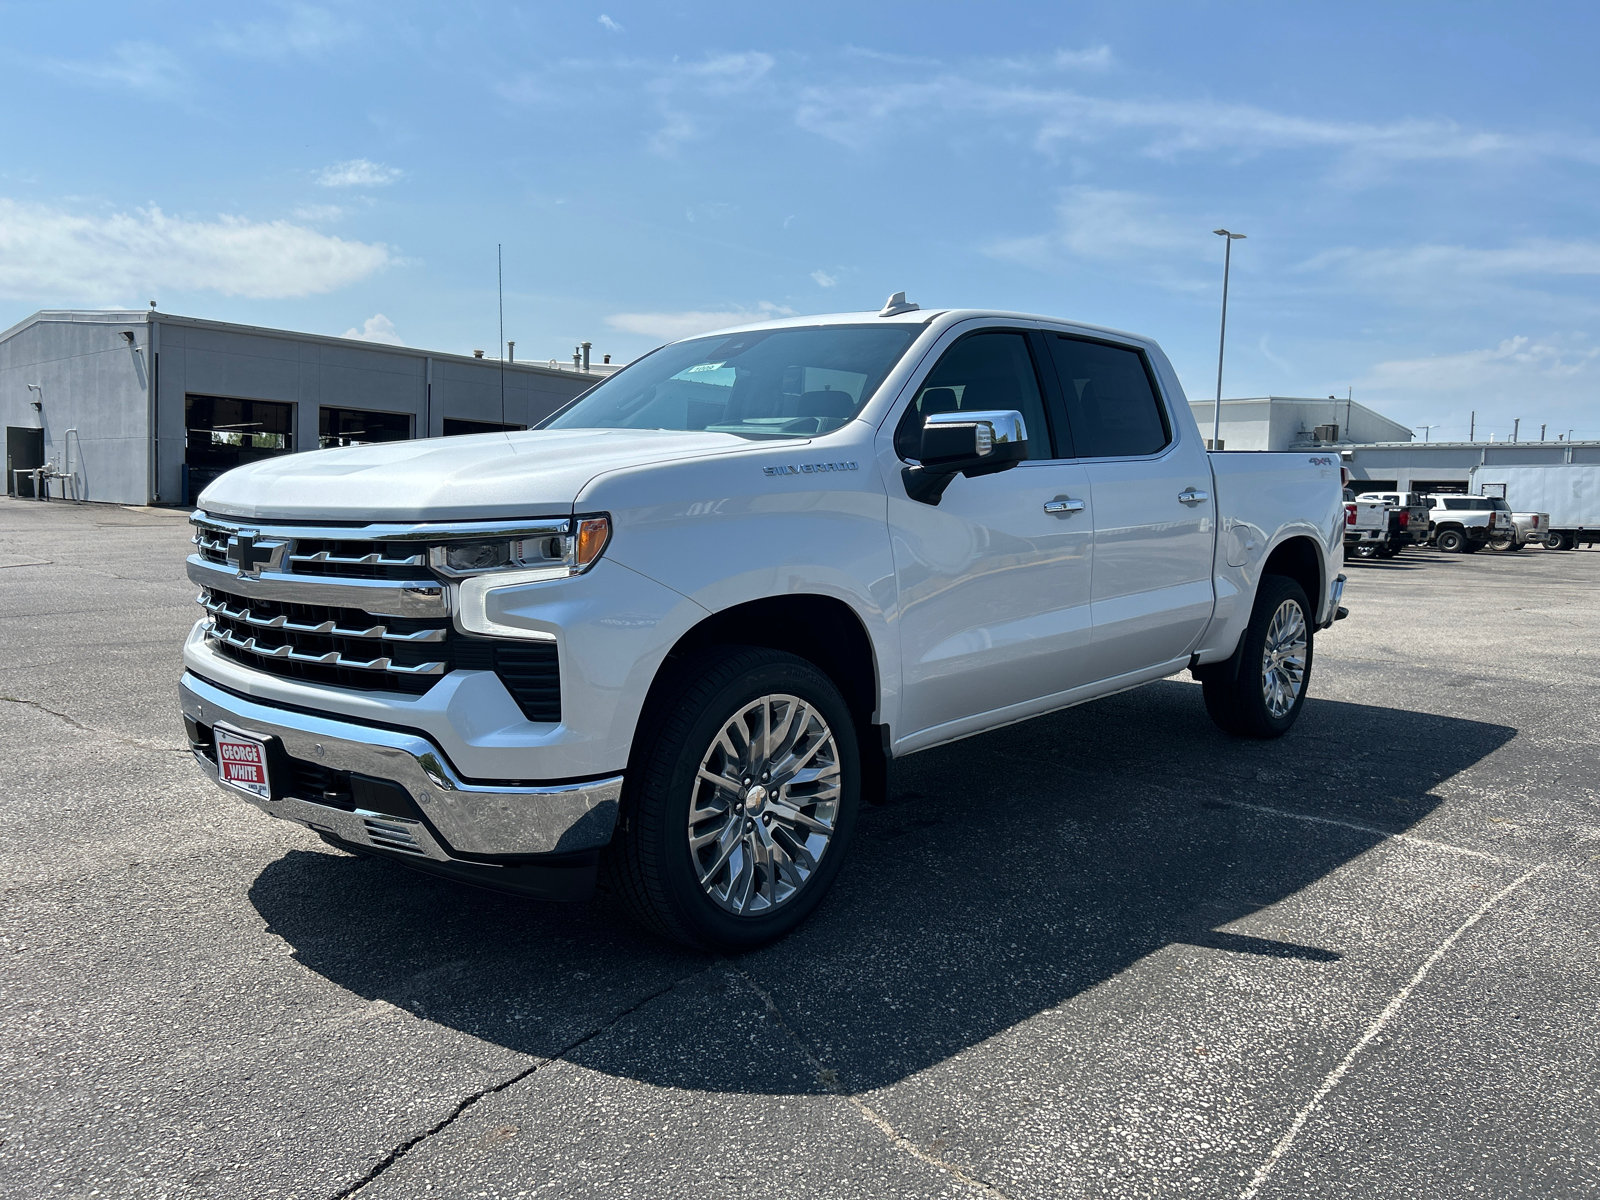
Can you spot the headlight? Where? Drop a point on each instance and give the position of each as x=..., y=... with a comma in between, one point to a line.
x=571, y=553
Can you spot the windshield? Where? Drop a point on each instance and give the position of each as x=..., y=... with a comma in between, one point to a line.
x=763, y=384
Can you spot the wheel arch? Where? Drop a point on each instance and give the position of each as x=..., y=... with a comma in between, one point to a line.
x=823, y=630
x=1298, y=558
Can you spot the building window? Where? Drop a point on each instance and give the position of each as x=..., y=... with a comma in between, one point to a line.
x=222, y=433
x=359, y=427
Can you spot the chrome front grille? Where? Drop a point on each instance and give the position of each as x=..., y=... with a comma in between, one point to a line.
x=328, y=645
x=358, y=606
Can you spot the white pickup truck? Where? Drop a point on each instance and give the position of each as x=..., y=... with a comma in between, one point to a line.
x=676, y=633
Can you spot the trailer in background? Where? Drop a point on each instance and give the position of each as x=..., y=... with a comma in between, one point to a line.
x=1569, y=492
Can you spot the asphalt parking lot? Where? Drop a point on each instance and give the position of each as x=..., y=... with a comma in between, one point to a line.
x=1109, y=952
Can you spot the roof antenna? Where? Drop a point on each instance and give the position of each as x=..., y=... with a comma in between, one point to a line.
x=897, y=304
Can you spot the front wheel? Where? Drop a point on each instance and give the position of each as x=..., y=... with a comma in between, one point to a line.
x=740, y=800
x=1260, y=691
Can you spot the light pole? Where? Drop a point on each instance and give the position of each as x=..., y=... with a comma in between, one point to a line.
x=1222, y=337
x=1426, y=429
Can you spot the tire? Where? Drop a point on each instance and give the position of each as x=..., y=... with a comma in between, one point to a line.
x=1552, y=540
x=729, y=894
x=1367, y=550
x=1247, y=695
x=1504, y=543
x=1451, y=541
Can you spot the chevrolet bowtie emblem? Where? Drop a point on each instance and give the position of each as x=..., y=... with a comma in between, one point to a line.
x=243, y=554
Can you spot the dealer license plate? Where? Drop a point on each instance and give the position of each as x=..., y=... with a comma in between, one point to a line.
x=242, y=763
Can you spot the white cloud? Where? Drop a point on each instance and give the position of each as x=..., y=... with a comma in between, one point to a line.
x=317, y=213
x=824, y=279
x=672, y=325
x=358, y=172
x=855, y=115
x=306, y=30
x=1105, y=225
x=1518, y=365
x=613, y=26
x=376, y=328
x=48, y=255
x=137, y=66
x=1096, y=59
x=725, y=73
x=1540, y=256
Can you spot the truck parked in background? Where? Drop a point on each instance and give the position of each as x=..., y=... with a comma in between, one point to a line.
x=1463, y=524
x=1413, y=508
x=1366, y=527
x=1568, y=492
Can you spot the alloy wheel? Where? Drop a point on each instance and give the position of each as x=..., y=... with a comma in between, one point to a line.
x=766, y=799
x=1283, y=659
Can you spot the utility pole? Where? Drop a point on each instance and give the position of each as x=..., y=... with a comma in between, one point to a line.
x=1541, y=431
x=1516, y=426
x=1222, y=336
x=1472, y=429
x=1425, y=429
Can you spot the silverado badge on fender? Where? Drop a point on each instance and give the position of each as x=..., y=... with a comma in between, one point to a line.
x=809, y=468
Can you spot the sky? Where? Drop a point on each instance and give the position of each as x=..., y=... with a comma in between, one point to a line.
x=1417, y=182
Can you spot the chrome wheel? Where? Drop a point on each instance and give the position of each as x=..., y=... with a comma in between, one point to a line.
x=1283, y=659
x=766, y=798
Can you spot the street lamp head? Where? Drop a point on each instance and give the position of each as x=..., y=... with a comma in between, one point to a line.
x=1228, y=234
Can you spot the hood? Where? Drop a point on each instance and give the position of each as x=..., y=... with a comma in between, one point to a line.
x=538, y=472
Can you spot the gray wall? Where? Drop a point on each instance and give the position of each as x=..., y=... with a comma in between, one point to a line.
x=93, y=381
x=310, y=373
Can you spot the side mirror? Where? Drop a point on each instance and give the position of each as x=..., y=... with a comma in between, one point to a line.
x=965, y=443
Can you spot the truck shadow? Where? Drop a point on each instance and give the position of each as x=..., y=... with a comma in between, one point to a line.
x=1007, y=874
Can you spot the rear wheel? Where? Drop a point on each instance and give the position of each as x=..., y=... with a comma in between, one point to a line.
x=1367, y=550
x=1451, y=541
x=1260, y=691
x=741, y=799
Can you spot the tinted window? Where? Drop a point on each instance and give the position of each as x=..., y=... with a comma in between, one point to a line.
x=1111, y=405
x=766, y=383
x=981, y=371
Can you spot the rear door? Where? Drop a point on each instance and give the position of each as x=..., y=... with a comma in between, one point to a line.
x=993, y=585
x=1154, y=514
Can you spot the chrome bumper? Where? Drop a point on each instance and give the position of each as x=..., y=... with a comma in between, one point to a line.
x=461, y=818
x=1336, y=612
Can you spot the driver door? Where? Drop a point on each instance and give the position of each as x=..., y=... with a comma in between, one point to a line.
x=993, y=589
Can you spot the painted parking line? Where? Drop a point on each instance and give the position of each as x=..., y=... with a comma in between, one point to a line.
x=1373, y=1030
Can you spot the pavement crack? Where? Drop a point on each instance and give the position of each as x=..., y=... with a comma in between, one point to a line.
x=138, y=743
x=405, y=1147
x=829, y=1078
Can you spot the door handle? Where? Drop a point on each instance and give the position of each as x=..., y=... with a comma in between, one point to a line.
x=1193, y=496
x=1062, y=507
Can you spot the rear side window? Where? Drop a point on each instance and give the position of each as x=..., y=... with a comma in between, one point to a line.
x=981, y=371
x=1111, y=404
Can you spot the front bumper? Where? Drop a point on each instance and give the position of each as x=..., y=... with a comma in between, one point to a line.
x=394, y=793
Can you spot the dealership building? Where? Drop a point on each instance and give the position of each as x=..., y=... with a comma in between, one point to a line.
x=147, y=408
x=1382, y=454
